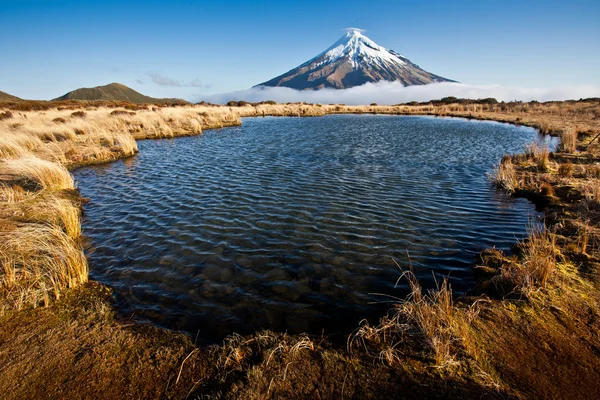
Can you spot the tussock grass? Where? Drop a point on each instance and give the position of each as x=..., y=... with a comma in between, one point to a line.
x=505, y=176
x=16, y=145
x=538, y=265
x=55, y=210
x=6, y=115
x=566, y=170
x=237, y=351
x=540, y=156
x=430, y=317
x=569, y=140
x=41, y=173
x=38, y=263
x=12, y=194
x=583, y=237
x=591, y=192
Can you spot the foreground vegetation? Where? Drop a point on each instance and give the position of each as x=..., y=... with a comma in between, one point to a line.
x=530, y=329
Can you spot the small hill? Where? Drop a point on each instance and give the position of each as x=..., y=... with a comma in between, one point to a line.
x=114, y=92
x=8, y=97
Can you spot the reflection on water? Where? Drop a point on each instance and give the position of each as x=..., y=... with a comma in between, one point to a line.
x=293, y=224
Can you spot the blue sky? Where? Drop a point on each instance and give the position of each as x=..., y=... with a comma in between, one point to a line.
x=194, y=48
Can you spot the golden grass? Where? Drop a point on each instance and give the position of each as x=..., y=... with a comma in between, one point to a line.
x=237, y=351
x=569, y=140
x=40, y=173
x=38, y=262
x=504, y=176
x=55, y=210
x=591, y=193
x=583, y=237
x=538, y=266
x=566, y=170
x=540, y=155
x=17, y=144
x=12, y=194
x=430, y=316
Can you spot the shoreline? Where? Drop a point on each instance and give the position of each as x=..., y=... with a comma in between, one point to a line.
x=465, y=336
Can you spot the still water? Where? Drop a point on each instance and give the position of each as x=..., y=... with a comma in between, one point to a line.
x=293, y=224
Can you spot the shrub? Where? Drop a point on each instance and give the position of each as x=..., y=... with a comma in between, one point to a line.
x=566, y=170
x=5, y=115
x=122, y=112
x=78, y=114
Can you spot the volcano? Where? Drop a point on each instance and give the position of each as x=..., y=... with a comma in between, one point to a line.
x=353, y=61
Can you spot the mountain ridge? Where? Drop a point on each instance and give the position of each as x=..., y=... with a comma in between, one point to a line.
x=354, y=60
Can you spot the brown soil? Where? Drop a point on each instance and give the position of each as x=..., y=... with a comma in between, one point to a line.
x=79, y=348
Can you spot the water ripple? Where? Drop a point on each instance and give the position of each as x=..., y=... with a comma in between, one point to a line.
x=292, y=224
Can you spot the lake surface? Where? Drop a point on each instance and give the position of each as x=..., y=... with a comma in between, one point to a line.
x=293, y=223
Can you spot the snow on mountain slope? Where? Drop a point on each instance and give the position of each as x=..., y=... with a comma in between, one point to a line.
x=352, y=61
x=358, y=49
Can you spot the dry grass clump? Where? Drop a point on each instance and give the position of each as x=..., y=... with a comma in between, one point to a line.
x=591, y=192
x=592, y=171
x=78, y=114
x=505, y=176
x=566, y=170
x=38, y=262
x=39, y=173
x=16, y=144
x=53, y=209
x=540, y=156
x=538, y=265
x=583, y=237
x=6, y=115
x=569, y=140
x=122, y=143
x=430, y=317
x=12, y=194
x=122, y=112
x=237, y=351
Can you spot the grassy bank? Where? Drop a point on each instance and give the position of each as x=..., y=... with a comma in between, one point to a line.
x=530, y=328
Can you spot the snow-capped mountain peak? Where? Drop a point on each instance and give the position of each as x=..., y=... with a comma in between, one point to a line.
x=352, y=61
x=358, y=49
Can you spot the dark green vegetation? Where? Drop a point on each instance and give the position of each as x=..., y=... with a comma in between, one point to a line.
x=115, y=92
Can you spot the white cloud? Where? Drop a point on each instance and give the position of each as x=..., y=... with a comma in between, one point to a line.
x=394, y=93
x=163, y=80
x=354, y=29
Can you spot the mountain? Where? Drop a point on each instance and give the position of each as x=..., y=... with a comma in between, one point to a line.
x=352, y=61
x=114, y=92
x=9, y=97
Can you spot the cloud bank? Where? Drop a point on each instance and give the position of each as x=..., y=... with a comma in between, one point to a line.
x=393, y=93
